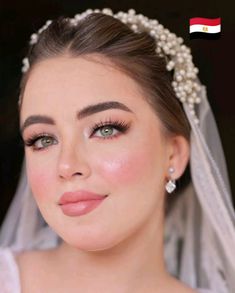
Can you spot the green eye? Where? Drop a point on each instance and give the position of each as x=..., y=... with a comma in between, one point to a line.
x=46, y=141
x=109, y=128
x=106, y=130
x=40, y=141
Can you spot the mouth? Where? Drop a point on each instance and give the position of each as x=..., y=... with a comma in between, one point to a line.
x=79, y=203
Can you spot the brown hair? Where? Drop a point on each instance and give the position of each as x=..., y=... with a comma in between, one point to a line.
x=133, y=53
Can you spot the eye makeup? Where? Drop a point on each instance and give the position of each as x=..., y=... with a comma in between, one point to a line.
x=40, y=141
x=36, y=138
x=120, y=126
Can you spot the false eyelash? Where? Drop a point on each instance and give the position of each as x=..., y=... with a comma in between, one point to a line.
x=34, y=137
x=121, y=126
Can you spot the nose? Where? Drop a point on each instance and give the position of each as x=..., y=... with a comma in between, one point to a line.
x=73, y=162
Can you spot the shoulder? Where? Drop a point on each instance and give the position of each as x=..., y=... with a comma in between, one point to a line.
x=9, y=273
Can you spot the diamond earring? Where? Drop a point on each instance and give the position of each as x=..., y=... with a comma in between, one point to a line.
x=170, y=185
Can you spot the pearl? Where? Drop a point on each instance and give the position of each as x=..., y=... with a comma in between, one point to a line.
x=107, y=11
x=191, y=106
x=180, y=88
x=179, y=78
x=185, y=73
x=180, y=40
x=134, y=27
x=154, y=22
x=131, y=11
x=34, y=36
x=174, y=83
x=165, y=48
x=158, y=50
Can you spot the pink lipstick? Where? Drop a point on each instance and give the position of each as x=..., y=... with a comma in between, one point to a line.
x=79, y=202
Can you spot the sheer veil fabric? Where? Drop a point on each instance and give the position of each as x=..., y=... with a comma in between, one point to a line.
x=199, y=229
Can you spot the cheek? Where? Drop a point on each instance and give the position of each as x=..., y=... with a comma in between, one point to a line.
x=128, y=167
x=40, y=178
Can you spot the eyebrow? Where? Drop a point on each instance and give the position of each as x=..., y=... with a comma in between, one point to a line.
x=85, y=112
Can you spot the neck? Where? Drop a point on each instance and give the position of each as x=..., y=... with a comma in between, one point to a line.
x=134, y=265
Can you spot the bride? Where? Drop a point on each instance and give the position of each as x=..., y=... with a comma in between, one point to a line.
x=113, y=117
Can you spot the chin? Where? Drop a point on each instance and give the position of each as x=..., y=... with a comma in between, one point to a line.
x=92, y=239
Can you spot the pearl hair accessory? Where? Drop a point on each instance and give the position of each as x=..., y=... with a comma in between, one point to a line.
x=185, y=84
x=170, y=186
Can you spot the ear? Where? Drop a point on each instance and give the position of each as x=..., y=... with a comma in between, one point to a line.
x=179, y=151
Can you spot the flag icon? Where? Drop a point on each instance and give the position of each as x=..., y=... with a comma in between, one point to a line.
x=206, y=28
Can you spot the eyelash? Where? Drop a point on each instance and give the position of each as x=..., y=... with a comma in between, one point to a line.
x=119, y=125
x=30, y=142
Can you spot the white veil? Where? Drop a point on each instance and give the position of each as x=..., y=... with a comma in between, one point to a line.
x=199, y=230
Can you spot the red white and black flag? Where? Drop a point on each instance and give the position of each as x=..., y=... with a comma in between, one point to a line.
x=205, y=28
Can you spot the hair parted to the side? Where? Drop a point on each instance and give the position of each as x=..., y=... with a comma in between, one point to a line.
x=133, y=53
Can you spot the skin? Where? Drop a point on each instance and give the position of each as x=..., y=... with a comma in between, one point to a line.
x=118, y=247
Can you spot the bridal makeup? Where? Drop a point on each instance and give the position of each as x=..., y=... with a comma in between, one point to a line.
x=84, y=136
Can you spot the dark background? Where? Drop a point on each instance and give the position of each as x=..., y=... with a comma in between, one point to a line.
x=214, y=58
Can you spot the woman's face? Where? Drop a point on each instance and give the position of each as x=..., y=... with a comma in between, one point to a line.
x=126, y=160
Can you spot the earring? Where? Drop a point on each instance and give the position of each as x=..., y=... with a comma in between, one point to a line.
x=170, y=185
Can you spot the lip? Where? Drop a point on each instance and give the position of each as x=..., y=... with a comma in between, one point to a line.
x=79, y=202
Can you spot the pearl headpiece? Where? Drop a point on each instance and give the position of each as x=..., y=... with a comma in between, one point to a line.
x=185, y=84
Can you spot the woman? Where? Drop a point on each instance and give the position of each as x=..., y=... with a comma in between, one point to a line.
x=108, y=130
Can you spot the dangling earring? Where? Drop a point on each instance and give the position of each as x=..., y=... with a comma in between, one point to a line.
x=170, y=185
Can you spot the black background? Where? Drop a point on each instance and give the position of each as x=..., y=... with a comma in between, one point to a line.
x=214, y=58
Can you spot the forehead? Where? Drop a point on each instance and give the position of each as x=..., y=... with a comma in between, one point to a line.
x=74, y=82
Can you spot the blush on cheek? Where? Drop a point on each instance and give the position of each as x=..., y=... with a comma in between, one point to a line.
x=40, y=182
x=125, y=168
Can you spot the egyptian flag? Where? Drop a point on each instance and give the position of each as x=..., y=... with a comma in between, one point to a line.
x=205, y=28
